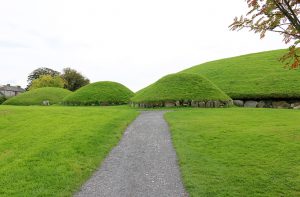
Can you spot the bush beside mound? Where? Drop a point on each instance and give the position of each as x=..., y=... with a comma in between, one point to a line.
x=2, y=99
x=100, y=93
x=255, y=76
x=37, y=96
x=181, y=89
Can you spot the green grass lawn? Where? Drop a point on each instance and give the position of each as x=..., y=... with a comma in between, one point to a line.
x=51, y=151
x=258, y=75
x=238, y=152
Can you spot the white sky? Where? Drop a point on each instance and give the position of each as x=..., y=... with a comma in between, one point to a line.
x=134, y=42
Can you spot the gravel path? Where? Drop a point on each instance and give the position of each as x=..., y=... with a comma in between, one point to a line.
x=143, y=164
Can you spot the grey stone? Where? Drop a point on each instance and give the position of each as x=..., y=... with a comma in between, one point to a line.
x=158, y=104
x=201, y=104
x=250, y=104
x=186, y=103
x=238, y=103
x=46, y=103
x=194, y=103
x=209, y=104
x=177, y=103
x=170, y=104
x=146, y=105
x=297, y=107
x=261, y=104
x=144, y=163
x=268, y=104
x=217, y=104
x=296, y=104
x=281, y=104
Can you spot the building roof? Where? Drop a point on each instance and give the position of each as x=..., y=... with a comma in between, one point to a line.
x=11, y=88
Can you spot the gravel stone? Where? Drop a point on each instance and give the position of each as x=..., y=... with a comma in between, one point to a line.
x=143, y=164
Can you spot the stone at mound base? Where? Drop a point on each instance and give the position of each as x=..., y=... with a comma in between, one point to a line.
x=170, y=104
x=295, y=104
x=238, y=103
x=297, y=107
x=200, y=104
x=261, y=104
x=194, y=104
x=250, y=104
x=281, y=105
x=46, y=103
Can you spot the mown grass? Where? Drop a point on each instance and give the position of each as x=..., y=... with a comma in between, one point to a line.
x=37, y=96
x=256, y=76
x=238, y=152
x=51, y=151
x=100, y=93
x=180, y=86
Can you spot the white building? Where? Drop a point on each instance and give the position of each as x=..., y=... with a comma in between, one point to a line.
x=9, y=91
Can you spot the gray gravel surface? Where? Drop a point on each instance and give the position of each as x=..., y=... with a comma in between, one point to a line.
x=143, y=164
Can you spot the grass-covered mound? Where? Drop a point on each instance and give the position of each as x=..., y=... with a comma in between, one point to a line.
x=253, y=76
x=100, y=93
x=37, y=96
x=180, y=87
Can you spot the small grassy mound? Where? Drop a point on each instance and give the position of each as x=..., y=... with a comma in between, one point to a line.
x=100, y=93
x=37, y=96
x=179, y=87
x=253, y=76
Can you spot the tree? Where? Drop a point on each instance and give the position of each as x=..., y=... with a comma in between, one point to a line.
x=47, y=81
x=279, y=16
x=73, y=79
x=39, y=72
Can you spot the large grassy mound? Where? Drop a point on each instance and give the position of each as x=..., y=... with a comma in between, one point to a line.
x=100, y=93
x=178, y=87
x=255, y=76
x=37, y=96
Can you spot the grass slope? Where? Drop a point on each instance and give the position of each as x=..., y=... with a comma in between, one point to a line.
x=37, y=96
x=104, y=92
x=238, y=152
x=52, y=151
x=180, y=86
x=256, y=76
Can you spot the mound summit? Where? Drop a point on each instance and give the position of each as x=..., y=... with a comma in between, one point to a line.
x=37, y=96
x=100, y=93
x=181, y=89
x=254, y=76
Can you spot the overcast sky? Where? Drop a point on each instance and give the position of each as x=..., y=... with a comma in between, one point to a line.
x=134, y=42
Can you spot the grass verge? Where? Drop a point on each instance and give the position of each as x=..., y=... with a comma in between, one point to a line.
x=51, y=151
x=238, y=152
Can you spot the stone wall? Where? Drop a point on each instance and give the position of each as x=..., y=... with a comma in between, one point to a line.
x=279, y=104
x=185, y=103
